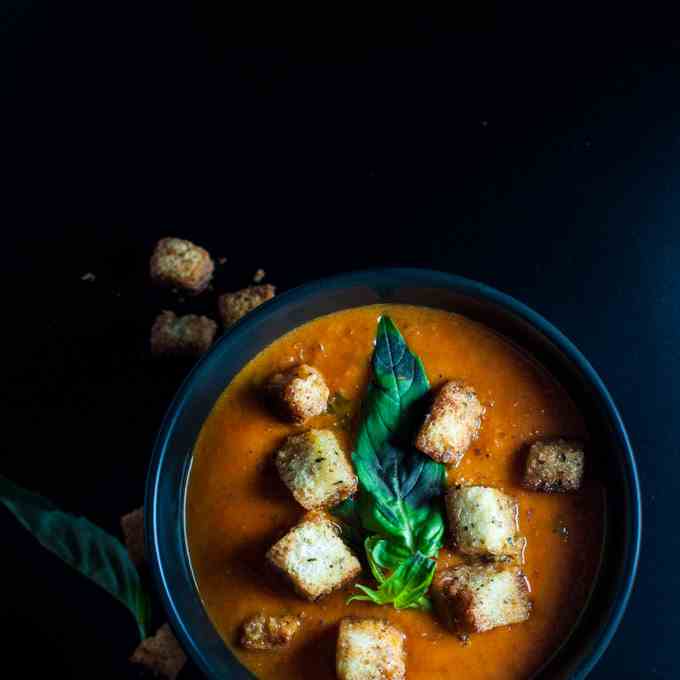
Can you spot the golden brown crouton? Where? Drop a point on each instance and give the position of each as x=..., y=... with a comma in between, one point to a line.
x=161, y=654
x=269, y=632
x=177, y=263
x=315, y=469
x=451, y=425
x=188, y=335
x=370, y=649
x=233, y=306
x=484, y=522
x=313, y=557
x=477, y=598
x=554, y=466
x=133, y=534
x=299, y=393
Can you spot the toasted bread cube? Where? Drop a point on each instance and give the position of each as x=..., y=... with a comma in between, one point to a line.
x=483, y=522
x=177, y=263
x=188, y=335
x=161, y=654
x=269, y=632
x=451, y=425
x=299, y=393
x=132, y=525
x=315, y=469
x=554, y=466
x=370, y=649
x=233, y=306
x=313, y=557
x=477, y=598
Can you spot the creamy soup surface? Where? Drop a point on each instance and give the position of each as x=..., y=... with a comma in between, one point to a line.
x=237, y=507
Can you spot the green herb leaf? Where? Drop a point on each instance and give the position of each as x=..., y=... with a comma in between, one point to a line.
x=398, y=486
x=83, y=546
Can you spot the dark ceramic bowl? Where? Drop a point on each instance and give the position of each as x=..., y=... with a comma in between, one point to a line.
x=169, y=470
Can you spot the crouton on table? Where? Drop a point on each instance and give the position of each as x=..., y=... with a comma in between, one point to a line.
x=313, y=557
x=269, y=632
x=188, y=335
x=370, y=649
x=298, y=393
x=554, y=466
x=177, y=263
x=483, y=522
x=233, y=306
x=451, y=425
x=316, y=470
x=132, y=525
x=477, y=598
x=161, y=654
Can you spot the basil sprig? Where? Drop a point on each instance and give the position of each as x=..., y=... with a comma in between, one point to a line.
x=397, y=506
x=83, y=546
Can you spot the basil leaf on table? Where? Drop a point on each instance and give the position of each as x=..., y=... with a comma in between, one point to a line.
x=83, y=546
x=398, y=504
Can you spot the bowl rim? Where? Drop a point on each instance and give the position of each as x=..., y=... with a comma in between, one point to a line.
x=415, y=276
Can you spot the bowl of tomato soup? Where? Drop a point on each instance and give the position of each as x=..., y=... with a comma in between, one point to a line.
x=215, y=505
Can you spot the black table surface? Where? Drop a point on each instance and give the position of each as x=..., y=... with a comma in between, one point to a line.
x=538, y=154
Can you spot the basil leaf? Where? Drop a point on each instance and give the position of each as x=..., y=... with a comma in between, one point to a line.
x=405, y=588
x=399, y=487
x=83, y=546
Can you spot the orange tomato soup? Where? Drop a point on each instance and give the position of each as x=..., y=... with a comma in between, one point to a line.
x=237, y=507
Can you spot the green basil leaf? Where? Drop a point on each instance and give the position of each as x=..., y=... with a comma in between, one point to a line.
x=83, y=546
x=405, y=588
x=399, y=501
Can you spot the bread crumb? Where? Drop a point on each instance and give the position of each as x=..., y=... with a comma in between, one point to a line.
x=89, y=277
x=259, y=275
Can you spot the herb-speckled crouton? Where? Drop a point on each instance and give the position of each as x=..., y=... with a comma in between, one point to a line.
x=314, y=558
x=484, y=522
x=554, y=466
x=477, y=598
x=132, y=525
x=451, y=425
x=177, y=263
x=161, y=654
x=188, y=335
x=315, y=469
x=233, y=306
x=370, y=649
x=299, y=393
x=269, y=632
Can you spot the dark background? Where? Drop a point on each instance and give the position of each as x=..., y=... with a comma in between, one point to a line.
x=536, y=152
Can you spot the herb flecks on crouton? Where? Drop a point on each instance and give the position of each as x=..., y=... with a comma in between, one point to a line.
x=554, y=466
x=370, y=649
x=452, y=424
x=298, y=393
x=315, y=469
x=477, y=598
x=313, y=557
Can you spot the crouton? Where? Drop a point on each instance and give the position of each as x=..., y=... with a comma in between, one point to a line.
x=554, y=466
x=477, y=598
x=484, y=522
x=161, y=654
x=370, y=649
x=269, y=632
x=313, y=557
x=315, y=469
x=177, y=263
x=188, y=335
x=451, y=425
x=233, y=306
x=132, y=525
x=298, y=393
